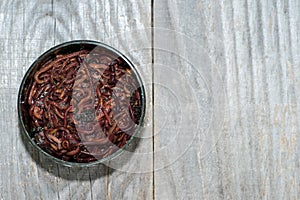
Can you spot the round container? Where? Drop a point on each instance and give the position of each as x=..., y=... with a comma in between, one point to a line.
x=27, y=121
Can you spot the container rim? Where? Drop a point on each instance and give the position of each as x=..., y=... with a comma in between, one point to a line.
x=35, y=65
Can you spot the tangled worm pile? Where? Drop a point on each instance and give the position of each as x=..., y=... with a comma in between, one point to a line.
x=84, y=106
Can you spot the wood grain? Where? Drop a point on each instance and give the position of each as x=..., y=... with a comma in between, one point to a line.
x=225, y=78
x=28, y=28
x=189, y=52
x=253, y=45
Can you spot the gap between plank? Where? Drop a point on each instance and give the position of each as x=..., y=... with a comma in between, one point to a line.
x=152, y=63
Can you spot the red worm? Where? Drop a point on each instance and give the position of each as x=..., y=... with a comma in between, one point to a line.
x=106, y=115
x=54, y=147
x=42, y=70
x=84, y=100
x=131, y=113
x=36, y=113
x=42, y=90
x=72, y=97
x=73, y=152
x=113, y=127
x=63, y=57
x=70, y=66
x=31, y=93
x=63, y=65
x=66, y=114
x=58, y=113
x=53, y=138
x=64, y=129
x=57, y=105
x=65, y=144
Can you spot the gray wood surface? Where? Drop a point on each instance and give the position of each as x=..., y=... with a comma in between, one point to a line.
x=28, y=28
x=222, y=82
x=255, y=46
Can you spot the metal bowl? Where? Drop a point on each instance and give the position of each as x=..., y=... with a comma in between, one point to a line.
x=66, y=48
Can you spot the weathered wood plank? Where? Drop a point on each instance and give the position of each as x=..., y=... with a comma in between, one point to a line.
x=22, y=41
x=28, y=28
x=185, y=53
x=254, y=44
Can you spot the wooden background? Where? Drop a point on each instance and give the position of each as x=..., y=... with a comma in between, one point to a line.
x=222, y=80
